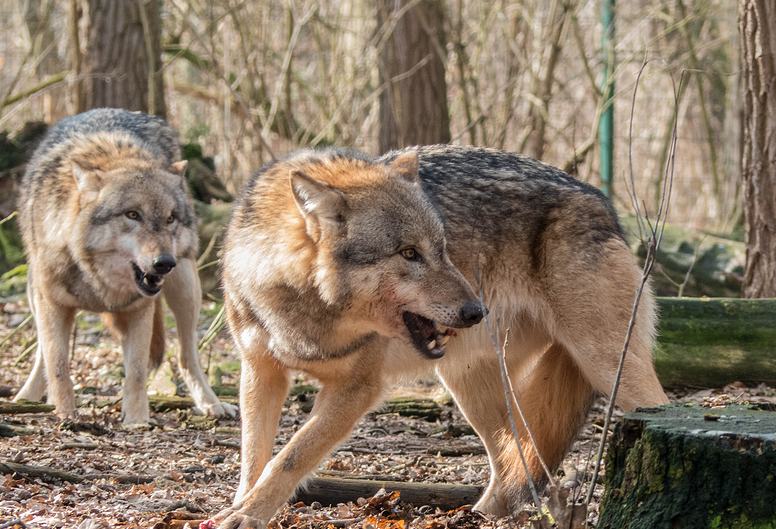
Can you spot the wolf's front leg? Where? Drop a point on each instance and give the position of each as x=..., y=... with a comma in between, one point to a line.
x=263, y=389
x=134, y=330
x=35, y=385
x=340, y=403
x=54, y=324
x=183, y=294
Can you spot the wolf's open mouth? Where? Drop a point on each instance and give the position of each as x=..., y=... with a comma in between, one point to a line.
x=425, y=336
x=149, y=284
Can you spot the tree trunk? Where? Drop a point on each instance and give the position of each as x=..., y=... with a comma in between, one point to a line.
x=121, y=54
x=413, y=107
x=692, y=467
x=757, y=29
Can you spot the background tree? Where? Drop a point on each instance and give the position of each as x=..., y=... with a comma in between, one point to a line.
x=251, y=81
x=757, y=29
x=413, y=107
x=116, y=47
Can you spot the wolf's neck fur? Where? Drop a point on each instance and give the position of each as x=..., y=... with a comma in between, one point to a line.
x=313, y=330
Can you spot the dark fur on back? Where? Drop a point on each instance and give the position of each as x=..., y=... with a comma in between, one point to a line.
x=510, y=196
x=151, y=133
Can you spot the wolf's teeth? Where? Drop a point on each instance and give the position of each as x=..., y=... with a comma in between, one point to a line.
x=444, y=339
x=431, y=345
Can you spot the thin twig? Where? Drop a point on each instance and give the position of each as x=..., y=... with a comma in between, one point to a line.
x=497, y=347
x=653, y=243
x=216, y=325
x=25, y=352
x=27, y=320
x=692, y=265
x=9, y=217
x=284, y=68
x=520, y=411
x=235, y=93
x=207, y=251
x=502, y=369
x=38, y=31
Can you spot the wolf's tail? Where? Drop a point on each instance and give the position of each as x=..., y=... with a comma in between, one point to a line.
x=156, y=354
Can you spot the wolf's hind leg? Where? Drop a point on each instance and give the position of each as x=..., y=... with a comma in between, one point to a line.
x=595, y=314
x=554, y=398
x=183, y=294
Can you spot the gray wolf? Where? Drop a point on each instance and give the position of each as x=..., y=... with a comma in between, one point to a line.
x=361, y=271
x=108, y=225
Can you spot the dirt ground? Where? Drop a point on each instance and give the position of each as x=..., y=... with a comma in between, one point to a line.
x=181, y=469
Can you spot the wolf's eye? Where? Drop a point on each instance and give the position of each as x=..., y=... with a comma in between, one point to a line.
x=134, y=215
x=410, y=254
x=170, y=219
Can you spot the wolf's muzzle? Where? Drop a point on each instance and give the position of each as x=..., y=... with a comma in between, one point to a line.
x=164, y=264
x=472, y=313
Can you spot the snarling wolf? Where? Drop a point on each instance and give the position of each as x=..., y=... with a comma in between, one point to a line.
x=361, y=271
x=108, y=225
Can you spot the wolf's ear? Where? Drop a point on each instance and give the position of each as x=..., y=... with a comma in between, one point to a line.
x=407, y=166
x=319, y=203
x=88, y=181
x=178, y=167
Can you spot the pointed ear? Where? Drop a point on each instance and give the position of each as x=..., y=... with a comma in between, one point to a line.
x=318, y=202
x=407, y=166
x=178, y=167
x=88, y=181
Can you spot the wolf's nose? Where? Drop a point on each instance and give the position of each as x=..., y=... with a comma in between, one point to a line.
x=472, y=313
x=164, y=263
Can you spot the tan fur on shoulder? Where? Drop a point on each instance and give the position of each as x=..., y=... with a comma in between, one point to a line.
x=354, y=270
x=108, y=226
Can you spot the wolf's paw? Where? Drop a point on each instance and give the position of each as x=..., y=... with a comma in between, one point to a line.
x=220, y=409
x=230, y=519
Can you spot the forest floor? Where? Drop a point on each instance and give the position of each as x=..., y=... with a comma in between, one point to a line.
x=181, y=469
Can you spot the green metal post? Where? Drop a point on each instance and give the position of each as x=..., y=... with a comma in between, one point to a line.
x=606, y=123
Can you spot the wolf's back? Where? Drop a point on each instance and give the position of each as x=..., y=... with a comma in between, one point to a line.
x=151, y=132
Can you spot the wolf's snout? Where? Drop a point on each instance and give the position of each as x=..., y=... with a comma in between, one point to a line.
x=164, y=264
x=472, y=313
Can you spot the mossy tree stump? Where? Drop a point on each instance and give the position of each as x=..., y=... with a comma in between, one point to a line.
x=688, y=467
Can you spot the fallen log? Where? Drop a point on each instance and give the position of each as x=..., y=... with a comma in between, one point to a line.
x=711, y=342
x=14, y=430
x=689, y=466
x=24, y=406
x=332, y=491
x=32, y=471
x=52, y=474
x=414, y=407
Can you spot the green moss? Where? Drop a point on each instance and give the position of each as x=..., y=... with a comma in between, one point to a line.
x=670, y=467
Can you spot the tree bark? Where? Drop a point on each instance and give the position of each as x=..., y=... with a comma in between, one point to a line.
x=413, y=107
x=116, y=69
x=757, y=30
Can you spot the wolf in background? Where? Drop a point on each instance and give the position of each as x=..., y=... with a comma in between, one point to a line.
x=356, y=270
x=107, y=224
